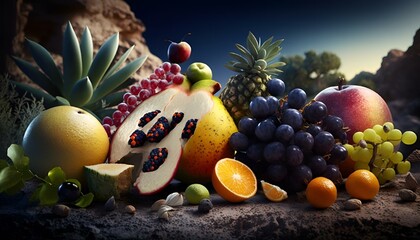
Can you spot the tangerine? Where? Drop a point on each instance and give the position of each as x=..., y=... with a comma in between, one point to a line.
x=233, y=180
x=321, y=192
x=362, y=184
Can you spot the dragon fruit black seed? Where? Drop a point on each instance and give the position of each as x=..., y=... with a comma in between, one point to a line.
x=155, y=159
x=137, y=138
x=176, y=118
x=147, y=118
x=189, y=128
x=159, y=130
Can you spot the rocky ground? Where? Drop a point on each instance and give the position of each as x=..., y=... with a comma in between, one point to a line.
x=385, y=217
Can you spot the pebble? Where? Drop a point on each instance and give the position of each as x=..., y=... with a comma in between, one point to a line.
x=352, y=204
x=407, y=195
x=110, y=204
x=205, y=206
x=130, y=209
x=60, y=210
x=411, y=182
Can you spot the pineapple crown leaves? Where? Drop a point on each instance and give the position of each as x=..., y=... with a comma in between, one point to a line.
x=86, y=79
x=256, y=57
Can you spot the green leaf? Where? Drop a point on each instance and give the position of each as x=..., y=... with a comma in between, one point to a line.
x=56, y=176
x=35, y=195
x=117, y=79
x=9, y=176
x=238, y=57
x=48, y=194
x=85, y=200
x=109, y=100
x=103, y=59
x=267, y=42
x=36, y=76
x=246, y=53
x=15, y=188
x=101, y=113
x=45, y=61
x=3, y=164
x=22, y=88
x=81, y=92
x=118, y=63
x=17, y=155
x=252, y=45
x=72, y=59
x=86, y=50
x=60, y=101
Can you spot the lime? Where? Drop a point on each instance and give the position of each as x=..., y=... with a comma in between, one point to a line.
x=196, y=192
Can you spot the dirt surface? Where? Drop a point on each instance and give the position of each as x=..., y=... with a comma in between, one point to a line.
x=385, y=217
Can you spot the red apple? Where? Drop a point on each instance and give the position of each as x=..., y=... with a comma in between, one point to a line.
x=179, y=52
x=359, y=107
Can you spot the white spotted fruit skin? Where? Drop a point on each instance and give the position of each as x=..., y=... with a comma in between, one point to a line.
x=209, y=144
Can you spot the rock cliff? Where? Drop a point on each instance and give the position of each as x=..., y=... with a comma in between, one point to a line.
x=44, y=22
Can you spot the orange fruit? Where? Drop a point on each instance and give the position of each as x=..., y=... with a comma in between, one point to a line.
x=273, y=192
x=321, y=192
x=362, y=184
x=66, y=137
x=233, y=180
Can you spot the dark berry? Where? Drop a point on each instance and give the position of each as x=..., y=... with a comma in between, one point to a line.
x=205, y=206
x=68, y=192
x=155, y=159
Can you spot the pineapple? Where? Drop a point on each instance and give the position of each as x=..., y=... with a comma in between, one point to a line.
x=255, y=65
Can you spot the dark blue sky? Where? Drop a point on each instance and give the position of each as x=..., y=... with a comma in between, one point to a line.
x=359, y=32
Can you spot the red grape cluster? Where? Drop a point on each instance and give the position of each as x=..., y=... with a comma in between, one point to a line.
x=162, y=77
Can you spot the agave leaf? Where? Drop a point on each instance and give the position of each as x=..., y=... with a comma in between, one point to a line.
x=72, y=59
x=252, y=44
x=22, y=88
x=108, y=101
x=245, y=52
x=238, y=57
x=86, y=50
x=103, y=60
x=103, y=112
x=127, y=83
x=81, y=92
x=45, y=61
x=36, y=76
x=118, y=63
x=117, y=79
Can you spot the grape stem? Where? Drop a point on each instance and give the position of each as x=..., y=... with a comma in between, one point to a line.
x=39, y=178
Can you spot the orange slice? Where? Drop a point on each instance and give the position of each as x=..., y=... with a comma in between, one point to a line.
x=273, y=192
x=233, y=180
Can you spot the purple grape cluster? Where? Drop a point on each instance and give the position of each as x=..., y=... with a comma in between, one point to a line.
x=162, y=77
x=288, y=141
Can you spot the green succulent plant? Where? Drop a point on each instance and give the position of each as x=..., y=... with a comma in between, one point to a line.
x=87, y=81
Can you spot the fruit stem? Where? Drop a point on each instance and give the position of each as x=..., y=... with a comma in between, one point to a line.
x=340, y=83
x=39, y=178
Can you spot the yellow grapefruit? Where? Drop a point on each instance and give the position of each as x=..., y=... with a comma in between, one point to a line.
x=66, y=137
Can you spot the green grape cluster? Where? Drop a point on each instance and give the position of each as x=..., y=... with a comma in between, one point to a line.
x=14, y=174
x=376, y=150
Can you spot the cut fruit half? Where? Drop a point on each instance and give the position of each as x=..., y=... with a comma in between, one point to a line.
x=169, y=131
x=273, y=192
x=233, y=180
